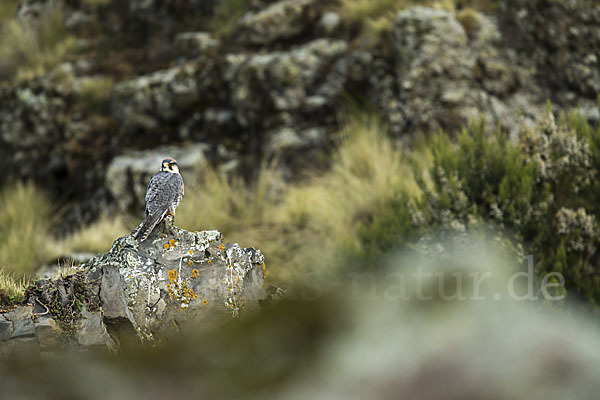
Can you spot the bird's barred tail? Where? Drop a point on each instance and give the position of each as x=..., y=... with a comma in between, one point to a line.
x=147, y=227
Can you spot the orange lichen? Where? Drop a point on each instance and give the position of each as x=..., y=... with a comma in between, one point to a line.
x=172, y=242
x=181, y=293
x=204, y=302
x=172, y=274
x=191, y=262
x=208, y=262
x=264, y=267
x=222, y=247
x=191, y=251
x=166, y=246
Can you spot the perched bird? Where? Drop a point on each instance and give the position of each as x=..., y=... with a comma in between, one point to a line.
x=164, y=193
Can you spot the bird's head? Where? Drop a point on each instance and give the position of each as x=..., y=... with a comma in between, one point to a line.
x=170, y=165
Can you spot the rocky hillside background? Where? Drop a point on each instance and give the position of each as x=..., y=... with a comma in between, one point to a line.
x=349, y=126
x=86, y=83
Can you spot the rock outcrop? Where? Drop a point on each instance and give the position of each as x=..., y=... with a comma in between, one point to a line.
x=174, y=281
x=448, y=75
x=281, y=20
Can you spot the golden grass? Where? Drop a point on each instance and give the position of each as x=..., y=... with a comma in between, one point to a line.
x=322, y=216
x=12, y=287
x=97, y=237
x=33, y=48
x=365, y=169
x=65, y=269
x=25, y=220
x=215, y=201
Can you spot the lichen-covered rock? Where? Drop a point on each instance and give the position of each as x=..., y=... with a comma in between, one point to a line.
x=32, y=128
x=285, y=81
x=174, y=281
x=158, y=102
x=196, y=44
x=288, y=139
x=281, y=20
x=177, y=279
x=562, y=39
x=448, y=75
x=127, y=175
x=144, y=102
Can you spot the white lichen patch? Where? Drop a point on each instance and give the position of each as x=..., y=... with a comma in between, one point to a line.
x=206, y=237
x=142, y=288
x=239, y=263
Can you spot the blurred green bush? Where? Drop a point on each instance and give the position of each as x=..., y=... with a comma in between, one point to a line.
x=538, y=194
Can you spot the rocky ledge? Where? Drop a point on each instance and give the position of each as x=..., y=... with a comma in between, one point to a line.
x=138, y=292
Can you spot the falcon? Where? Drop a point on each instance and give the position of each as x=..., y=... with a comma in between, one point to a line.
x=164, y=193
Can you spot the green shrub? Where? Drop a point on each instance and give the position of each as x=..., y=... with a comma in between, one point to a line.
x=537, y=195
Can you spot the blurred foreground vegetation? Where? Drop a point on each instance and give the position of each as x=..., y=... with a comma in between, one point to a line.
x=347, y=343
x=536, y=194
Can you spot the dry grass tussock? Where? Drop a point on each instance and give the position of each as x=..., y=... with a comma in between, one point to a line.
x=26, y=217
x=96, y=237
x=12, y=289
x=32, y=48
